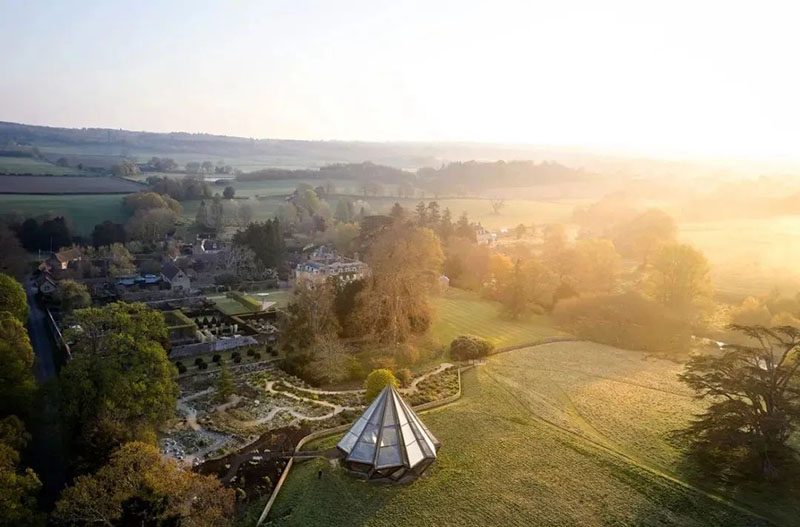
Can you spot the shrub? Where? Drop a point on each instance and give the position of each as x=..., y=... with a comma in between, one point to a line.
x=217, y=358
x=237, y=359
x=404, y=376
x=236, y=355
x=272, y=351
x=355, y=368
x=256, y=355
x=407, y=354
x=382, y=362
x=203, y=366
x=377, y=381
x=250, y=352
x=469, y=347
x=198, y=361
x=181, y=367
x=626, y=320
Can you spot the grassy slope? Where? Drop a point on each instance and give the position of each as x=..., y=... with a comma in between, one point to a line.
x=563, y=434
x=460, y=312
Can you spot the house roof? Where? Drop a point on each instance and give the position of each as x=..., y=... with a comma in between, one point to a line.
x=170, y=270
x=68, y=255
x=389, y=435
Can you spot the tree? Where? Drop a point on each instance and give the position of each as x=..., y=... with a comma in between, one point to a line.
x=13, y=298
x=465, y=229
x=554, y=243
x=245, y=214
x=641, y=237
x=591, y=266
x=405, y=263
x=119, y=385
x=13, y=258
x=121, y=262
x=344, y=212
x=330, y=362
x=207, y=167
x=18, y=487
x=225, y=385
x=520, y=231
x=497, y=205
x=152, y=224
x=229, y=192
x=377, y=381
x=216, y=214
x=17, y=385
x=202, y=217
x=679, y=275
x=265, y=239
x=421, y=214
x=469, y=347
x=72, y=295
x=446, y=225
x=310, y=320
x=433, y=215
x=192, y=167
x=125, y=169
x=754, y=396
x=345, y=236
x=514, y=296
x=398, y=213
x=138, y=481
x=108, y=233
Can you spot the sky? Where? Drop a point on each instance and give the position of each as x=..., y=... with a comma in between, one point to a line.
x=699, y=78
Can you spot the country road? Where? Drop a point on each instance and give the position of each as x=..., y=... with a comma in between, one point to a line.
x=47, y=452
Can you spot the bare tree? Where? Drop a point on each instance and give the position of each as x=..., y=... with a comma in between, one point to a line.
x=498, y=204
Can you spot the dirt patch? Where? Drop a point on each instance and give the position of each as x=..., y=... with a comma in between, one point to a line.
x=254, y=469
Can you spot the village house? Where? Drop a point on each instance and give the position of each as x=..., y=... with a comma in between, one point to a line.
x=175, y=277
x=485, y=237
x=323, y=263
x=63, y=258
x=46, y=285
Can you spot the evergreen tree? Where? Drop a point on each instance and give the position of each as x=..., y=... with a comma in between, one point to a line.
x=225, y=385
x=421, y=214
x=434, y=217
x=446, y=225
x=202, y=217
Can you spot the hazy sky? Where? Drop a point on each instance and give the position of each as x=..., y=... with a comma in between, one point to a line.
x=672, y=77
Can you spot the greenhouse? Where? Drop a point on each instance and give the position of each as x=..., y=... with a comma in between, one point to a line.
x=388, y=440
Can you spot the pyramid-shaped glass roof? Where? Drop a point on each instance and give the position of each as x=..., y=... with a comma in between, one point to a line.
x=388, y=439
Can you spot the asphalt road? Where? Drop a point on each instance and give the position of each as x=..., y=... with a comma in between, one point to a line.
x=43, y=347
x=47, y=453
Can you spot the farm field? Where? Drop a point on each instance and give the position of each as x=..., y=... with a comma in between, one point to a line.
x=539, y=438
x=29, y=165
x=460, y=312
x=67, y=185
x=84, y=211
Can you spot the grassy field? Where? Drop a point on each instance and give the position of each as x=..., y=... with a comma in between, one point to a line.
x=84, y=211
x=460, y=312
x=562, y=434
x=28, y=165
x=67, y=185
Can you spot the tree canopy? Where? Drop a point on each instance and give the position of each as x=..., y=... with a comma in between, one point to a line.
x=376, y=381
x=119, y=385
x=13, y=298
x=16, y=367
x=754, y=397
x=137, y=483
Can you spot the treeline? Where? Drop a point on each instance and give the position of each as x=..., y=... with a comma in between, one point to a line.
x=359, y=171
x=477, y=174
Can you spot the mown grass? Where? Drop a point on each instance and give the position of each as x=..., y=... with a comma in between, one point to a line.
x=460, y=312
x=539, y=438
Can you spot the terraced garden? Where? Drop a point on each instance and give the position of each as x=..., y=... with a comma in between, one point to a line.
x=560, y=434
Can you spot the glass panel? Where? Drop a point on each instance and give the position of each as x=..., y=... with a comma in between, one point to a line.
x=414, y=454
x=408, y=435
x=370, y=434
x=348, y=441
x=389, y=456
x=388, y=415
x=389, y=436
x=362, y=452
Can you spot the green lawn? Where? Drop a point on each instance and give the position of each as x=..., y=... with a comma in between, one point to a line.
x=563, y=434
x=460, y=312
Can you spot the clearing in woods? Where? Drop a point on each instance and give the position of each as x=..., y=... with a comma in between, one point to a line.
x=569, y=433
